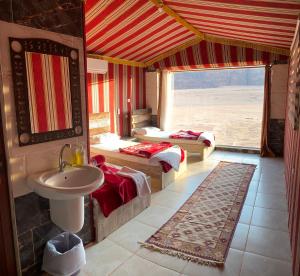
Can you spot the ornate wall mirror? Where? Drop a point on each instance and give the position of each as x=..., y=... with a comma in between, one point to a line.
x=47, y=90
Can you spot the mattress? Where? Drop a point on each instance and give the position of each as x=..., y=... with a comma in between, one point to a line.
x=112, y=150
x=164, y=136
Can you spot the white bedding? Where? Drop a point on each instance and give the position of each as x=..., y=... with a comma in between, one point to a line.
x=165, y=135
x=112, y=150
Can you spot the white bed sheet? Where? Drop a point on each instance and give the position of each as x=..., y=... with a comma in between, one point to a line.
x=165, y=135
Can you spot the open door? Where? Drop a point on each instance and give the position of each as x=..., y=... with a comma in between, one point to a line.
x=7, y=252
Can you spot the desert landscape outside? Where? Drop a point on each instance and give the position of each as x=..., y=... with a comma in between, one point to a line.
x=233, y=113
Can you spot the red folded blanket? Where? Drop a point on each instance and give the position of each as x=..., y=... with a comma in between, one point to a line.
x=186, y=134
x=116, y=190
x=146, y=149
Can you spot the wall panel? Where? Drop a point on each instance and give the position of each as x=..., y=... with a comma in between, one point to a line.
x=292, y=160
x=118, y=91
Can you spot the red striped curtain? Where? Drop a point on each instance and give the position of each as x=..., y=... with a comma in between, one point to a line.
x=292, y=160
x=119, y=91
x=49, y=92
x=215, y=55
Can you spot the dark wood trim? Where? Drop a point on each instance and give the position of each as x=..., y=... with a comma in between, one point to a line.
x=7, y=251
x=18, y=48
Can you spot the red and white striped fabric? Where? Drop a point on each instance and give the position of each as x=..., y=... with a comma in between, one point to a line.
x=270, y=22
x=49, y=92
x=138, y=30
x=213, y=55
x=133, y=30
x=292, y=163
x=120, y=89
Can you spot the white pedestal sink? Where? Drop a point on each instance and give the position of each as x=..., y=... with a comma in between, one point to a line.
x=66, y=191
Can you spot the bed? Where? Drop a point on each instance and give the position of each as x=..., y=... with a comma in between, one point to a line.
x=141, y=118
x=100, y=123
x=106, y=224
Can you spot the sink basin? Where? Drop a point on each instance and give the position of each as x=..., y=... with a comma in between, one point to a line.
x=73, y=182
x=66, y=191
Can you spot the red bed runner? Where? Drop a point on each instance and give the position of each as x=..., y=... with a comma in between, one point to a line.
x=116, y=190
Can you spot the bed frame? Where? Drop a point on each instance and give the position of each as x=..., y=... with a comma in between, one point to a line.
x=159, y=179
x=106, y=225
x=142, y=118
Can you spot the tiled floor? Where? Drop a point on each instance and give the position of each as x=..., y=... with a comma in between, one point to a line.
x=261, y=241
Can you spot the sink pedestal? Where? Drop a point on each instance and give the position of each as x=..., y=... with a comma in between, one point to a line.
x=68, y=214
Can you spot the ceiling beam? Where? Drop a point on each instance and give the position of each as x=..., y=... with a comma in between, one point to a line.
x=117, y=60
x=160, y=5
x=223, y=40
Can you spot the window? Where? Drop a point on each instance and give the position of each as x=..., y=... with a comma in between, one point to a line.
x=228, y=102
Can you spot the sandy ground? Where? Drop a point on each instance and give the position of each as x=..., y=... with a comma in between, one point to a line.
x=234, y=113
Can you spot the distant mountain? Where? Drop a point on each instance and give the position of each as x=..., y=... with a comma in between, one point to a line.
x=218, y=78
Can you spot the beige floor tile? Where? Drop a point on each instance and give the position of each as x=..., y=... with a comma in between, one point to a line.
x=130, y=234
x=269, y=187
x=274, y=177
x=187, y=185
x=104, y=257
x=271, y=201
x=137, y=266
x=246, y=214
x=253, y=186
x=256, y=265
x=239, y=239
x=270, y=243
x=274, y=219
x=250, y=199
x=164, y=260
x=155, y=215
x=232, y=266
x=170, y=199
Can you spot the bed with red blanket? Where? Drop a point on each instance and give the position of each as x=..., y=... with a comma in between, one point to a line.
x=115, y=153
x=202, y=143
x=116, y=201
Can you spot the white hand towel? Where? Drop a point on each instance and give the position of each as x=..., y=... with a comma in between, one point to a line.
x=139, y=178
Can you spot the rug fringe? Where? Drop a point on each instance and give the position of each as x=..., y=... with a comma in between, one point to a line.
x=181, y=255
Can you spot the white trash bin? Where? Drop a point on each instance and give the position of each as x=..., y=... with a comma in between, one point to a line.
x=64, y=255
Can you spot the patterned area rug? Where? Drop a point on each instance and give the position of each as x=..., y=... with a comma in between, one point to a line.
x=202, y=229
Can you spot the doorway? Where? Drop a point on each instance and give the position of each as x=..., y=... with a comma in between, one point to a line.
x=227, y=102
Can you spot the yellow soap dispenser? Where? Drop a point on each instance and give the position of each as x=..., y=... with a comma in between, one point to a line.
x=79, y=155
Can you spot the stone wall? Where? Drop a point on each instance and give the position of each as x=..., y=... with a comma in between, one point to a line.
x=279, y=77
x=35, y=229
x=60, y=16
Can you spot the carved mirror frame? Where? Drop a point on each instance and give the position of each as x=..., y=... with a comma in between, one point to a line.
x=18, y=49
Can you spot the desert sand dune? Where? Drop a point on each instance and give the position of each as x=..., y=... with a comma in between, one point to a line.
x=233, y=113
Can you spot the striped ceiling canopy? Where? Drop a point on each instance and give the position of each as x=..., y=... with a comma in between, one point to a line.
x=142, y=32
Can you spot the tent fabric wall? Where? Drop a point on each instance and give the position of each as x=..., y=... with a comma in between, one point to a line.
x=207, y=55
x=119, y=91
x=292, y=162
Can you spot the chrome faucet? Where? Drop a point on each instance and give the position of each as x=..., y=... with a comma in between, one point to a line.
x=61, y=163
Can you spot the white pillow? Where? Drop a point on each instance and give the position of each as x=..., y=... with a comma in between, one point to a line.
x=104, y=138
x=145, y=130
